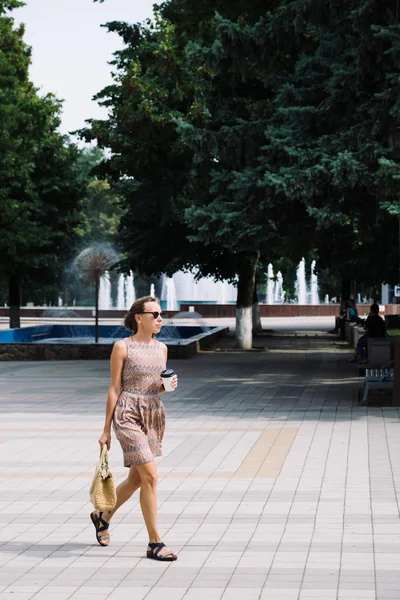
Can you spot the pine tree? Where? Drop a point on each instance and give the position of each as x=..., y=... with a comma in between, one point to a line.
x=332, y=120
x=187, y=119
x=240, y=210
x=154, y=86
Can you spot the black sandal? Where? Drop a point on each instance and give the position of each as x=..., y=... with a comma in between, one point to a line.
x=100, y=526
x=154, y=552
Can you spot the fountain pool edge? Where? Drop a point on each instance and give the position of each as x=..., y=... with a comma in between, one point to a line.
x=27, y=351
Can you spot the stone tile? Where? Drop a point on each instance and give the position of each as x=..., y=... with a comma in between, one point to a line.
x=232, y=593
x=210, y=594
x=121, y=594
x=161, y=593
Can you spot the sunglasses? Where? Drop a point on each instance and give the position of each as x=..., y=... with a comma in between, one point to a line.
x=155, y=314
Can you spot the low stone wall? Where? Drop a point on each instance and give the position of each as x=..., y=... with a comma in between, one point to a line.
x=283, y=310
x=45, y=352
x=17, y=351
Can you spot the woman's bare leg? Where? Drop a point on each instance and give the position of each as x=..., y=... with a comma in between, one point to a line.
x=148, y=500
x=124, y=491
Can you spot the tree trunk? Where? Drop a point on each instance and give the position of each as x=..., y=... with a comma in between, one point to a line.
x=14, y=300
x=346, y=289
x=96, y=310
x=244, y=305
x=257, y=327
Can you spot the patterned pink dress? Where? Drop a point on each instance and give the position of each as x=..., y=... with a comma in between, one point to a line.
x=139, y=416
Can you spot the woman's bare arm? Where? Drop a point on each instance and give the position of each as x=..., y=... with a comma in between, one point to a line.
x=118, y=356
x=175, y=377
x=161, y=389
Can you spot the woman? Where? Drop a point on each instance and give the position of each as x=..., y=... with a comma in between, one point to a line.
x=137, y=412
x=376, y=328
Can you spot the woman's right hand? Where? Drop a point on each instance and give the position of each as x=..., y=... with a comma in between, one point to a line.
x=105, y=439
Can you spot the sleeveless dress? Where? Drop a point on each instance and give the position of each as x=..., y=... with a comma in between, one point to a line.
x=139, y=415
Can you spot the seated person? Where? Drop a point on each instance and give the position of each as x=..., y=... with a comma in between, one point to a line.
x=340, y=323
x=376, y=328
x=352, y=313
x=348, y=312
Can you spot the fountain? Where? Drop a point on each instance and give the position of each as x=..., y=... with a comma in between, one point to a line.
x=105, y=302
x=152, y=290
x=314, y=285
x=279, y=294
x=305, y=294
x=130, y=290
x=169, y=294
x=327, y=299
x=204, y=289
x=270, y=284
x=225, y=292
x=121, y=298
x=301, y=286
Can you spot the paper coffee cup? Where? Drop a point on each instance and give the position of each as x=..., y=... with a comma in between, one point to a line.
x=166, y=377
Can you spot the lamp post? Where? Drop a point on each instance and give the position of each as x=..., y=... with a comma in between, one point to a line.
x=394, y=142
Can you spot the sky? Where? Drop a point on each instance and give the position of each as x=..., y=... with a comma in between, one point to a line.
x=71, y=51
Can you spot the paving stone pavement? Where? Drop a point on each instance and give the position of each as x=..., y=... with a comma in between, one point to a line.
x=274, y=483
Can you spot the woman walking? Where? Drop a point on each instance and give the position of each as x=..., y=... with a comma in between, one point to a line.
x=137, y=413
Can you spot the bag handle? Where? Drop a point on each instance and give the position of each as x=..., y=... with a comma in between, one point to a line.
x=104, y=469
x=103, y=451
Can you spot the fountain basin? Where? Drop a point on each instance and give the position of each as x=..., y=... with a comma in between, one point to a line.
x=74, y=342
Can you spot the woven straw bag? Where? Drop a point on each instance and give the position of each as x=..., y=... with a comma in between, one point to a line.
x=102, y=491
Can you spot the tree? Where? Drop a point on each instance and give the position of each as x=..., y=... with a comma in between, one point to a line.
x=333, y=115
x=100, y=211
x=186, y=127
x=153, y=163
x=328, y=79
x=40, y=182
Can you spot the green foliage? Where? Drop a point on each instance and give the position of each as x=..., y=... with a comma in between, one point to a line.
x=331, y=123
x=186, y=134
x=100, y=211
x=253, y=128
x=152, y=90
x=40, y=181
x=6, y=5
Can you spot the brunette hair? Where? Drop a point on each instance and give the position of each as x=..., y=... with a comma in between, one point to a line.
x=137, y=307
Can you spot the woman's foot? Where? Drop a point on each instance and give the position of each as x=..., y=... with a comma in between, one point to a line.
x=159, y=551
x=101, y=526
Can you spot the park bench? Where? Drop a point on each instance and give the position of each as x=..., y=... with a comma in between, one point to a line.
x=379, y=351
x=382, y=378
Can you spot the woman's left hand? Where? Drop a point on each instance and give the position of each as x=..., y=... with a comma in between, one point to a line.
x=174, y=382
